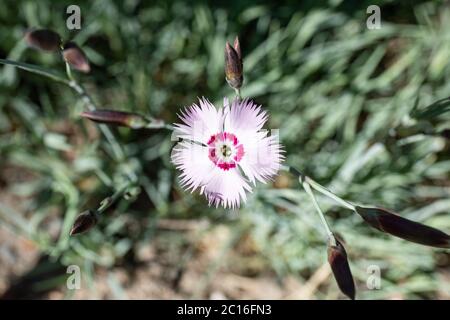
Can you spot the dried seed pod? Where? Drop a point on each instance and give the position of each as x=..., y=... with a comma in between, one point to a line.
x=83, y=222
x=233, y=65
x=73, y=54
x=337, y=257
x=120, y=118
x=43, y=39
x=398, y=226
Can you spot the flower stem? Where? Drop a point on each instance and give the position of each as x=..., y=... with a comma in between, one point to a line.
x=329, y=194
x=109, y=201
x=308, y=190
x=238, y=93
x=117, y=149
x=158, y=124
x=318, y=187
x=69, y=72
x=36, y=69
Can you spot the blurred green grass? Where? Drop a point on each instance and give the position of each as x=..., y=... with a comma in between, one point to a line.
x=343, y=97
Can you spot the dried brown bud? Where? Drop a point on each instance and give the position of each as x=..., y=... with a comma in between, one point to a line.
x=76, y=57
x=398, y=226
x=83, y=222
x=43, y=39
x=120, y=118
x=337, y=257
x=233, y=65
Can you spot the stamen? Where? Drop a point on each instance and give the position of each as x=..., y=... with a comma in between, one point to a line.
x=224, y=150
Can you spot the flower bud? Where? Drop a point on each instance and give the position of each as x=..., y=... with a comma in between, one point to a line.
x=398, y=226
x=237, y=48
x=445, y=133
x=43, y=39
x=337, y=257
x=233, y=65
x=120, y=118
x=76, y=57
x=83, y=222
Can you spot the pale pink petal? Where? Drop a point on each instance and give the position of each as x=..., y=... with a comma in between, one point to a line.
x=199, y=122
x=192, y=160
x=243, y=117
x=226, y=188
x=262, y=153
x=262, y=158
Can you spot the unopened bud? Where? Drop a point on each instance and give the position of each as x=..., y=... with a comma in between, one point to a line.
x=233, y=64
x=83, y=222
x=237, y=48
x=76, y=57
x=43, y=39
x=398, y=226
x=119, y=118
x=337, y=257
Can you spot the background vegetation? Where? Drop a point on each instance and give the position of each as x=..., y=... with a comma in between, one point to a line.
x=347, y=101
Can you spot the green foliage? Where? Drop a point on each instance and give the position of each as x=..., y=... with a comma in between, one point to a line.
x=350, y=104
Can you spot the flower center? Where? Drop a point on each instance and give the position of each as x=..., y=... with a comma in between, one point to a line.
x=225, y=151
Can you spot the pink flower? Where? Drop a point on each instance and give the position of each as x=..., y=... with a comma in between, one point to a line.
x=224, y=151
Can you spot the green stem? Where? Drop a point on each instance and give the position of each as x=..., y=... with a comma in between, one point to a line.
x=169, y=127
x=72, y=83
x=109, y=201
x=68, y=69
x=329, y=194
x=117, y=149
x=308, y=190
x=119, y=154
x=158, y=124
x=69, y=72
x=238, y=93
x=36, y=69
x=318, y=187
